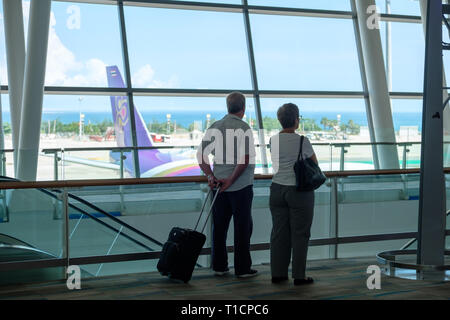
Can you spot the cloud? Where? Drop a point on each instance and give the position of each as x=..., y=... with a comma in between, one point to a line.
x=64, y=69
x=145, y=78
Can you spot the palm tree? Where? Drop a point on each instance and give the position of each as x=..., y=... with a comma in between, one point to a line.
x=325, y=122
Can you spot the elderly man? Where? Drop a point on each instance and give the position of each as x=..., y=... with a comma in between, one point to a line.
x=230, y=141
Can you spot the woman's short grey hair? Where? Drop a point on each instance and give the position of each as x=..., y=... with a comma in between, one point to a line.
x=235, y=102
x=287, y=115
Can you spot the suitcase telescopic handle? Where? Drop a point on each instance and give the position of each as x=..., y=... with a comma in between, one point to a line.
x=210, y=208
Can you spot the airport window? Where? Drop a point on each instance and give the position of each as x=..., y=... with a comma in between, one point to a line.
x=407, y=116
x=187, y=49
x=74, y=121
x=80, y=47
x=305, y=4
x=304, y=53
x=180, y=122
x=183, y=119
x=178, y=57
x=217, y=1
x=408, y=55
x=401, y=7
x=325, y=120
x=446, y=54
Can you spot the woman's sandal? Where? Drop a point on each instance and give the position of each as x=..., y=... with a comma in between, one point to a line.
x=299, y=282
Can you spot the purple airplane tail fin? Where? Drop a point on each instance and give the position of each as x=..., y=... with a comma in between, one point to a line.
x=122, y=125
x=121, y=114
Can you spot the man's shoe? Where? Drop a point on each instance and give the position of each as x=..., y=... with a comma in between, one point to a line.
x=221, y=273
x=279, y=279
x=300, y=282
x=250, y=274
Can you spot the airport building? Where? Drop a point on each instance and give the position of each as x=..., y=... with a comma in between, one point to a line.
x=104, y=103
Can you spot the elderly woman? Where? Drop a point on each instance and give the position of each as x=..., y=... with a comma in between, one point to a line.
x=292, y=211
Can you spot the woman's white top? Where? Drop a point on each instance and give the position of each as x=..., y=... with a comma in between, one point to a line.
x=284, y=148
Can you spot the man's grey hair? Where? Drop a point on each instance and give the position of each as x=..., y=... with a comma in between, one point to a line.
x=287, y=115
x=235, y=102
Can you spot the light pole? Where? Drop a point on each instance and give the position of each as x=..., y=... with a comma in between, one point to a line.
x=168, y=122
x=208, y=119
x=80, y=133
x=338, y=123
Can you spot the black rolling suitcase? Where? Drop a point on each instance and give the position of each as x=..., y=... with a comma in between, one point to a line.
x=180, y=253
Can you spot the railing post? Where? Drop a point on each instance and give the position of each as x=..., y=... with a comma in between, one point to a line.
x=55, y=165
x=122, y=158
x=122, y=201
x=334, y=217
x=5, y=211
x=63, y=176
x=404, y=177
x=405, y=154
x=3, y=163
x=66, y=244
x=331, y=157
x=342, y=159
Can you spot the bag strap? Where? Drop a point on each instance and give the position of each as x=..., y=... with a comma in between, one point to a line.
x=300, y=154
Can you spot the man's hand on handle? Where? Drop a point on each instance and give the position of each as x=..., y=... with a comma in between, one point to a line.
x=225, y=184
x=212, y=181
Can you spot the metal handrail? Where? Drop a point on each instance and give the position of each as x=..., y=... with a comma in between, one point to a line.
x=123, y=224
x=410, y=242
x=187, y=179
x=118, y=149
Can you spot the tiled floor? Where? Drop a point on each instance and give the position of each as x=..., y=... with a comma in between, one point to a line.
x=334, y=279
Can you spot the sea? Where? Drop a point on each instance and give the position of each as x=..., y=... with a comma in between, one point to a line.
x=184, y=118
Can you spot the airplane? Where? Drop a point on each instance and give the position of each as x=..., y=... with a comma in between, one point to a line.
x=152, y=162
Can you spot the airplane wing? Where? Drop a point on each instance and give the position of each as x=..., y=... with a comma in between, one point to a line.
x=87, y=162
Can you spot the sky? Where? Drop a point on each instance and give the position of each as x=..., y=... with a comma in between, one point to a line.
x=207, y=50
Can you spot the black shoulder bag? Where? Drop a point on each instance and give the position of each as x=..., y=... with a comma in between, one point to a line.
x=308, y=175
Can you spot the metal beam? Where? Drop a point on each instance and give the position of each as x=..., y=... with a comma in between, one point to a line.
x=362, y=68
x=259, y=118
x=446, y=112
x=388, y=47
x=400, y=18
x=126, y=63
x=380, y=105
x=253, y=9
x=432, y=202
x=99, y=91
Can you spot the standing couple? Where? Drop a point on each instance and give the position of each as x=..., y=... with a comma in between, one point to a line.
x=230, y=142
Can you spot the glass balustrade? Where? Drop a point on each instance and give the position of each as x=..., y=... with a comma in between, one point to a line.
x=32, y=230
x=354, y=216
x=115, y=163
